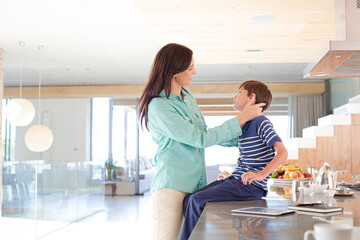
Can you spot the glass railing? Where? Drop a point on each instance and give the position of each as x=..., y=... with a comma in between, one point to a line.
x=39, y=198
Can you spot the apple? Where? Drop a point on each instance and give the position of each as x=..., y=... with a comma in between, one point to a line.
x=275, y=174
x=293, y=175
x=279, y=170
x=307, y=175
x=300, y=175
x=280, y=177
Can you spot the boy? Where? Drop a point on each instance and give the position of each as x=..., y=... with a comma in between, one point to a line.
x=257, y=160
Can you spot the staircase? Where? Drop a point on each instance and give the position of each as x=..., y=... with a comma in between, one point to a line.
x=335, y=140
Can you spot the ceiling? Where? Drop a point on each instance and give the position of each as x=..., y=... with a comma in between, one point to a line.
x=92, y=42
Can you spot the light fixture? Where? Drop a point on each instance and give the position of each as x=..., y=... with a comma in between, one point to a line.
x=39, y=138
x=253, y=50
x=262, y=18
x=20, y=111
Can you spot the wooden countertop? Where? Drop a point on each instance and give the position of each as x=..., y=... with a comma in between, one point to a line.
x=216, y=221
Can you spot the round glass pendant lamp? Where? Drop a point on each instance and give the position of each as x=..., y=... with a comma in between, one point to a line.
x=20, y=111
x=39, y=138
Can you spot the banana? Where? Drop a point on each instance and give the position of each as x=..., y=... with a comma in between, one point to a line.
x=291, y=168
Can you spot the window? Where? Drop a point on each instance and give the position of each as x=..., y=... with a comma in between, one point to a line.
x=229, y=155
x=218, y=154
x=8, y=137
x=147, y=145
x=100, y=129
x=124, y=137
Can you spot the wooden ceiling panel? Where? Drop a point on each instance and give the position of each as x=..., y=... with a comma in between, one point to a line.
x=134, y=91
x=222, y=29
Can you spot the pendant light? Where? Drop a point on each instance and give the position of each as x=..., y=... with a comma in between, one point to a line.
x=20, y=111
x=39, y=138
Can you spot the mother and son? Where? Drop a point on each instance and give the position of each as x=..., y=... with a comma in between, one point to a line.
x=169, y=110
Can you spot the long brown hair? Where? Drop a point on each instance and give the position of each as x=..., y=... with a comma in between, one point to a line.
x=262, y=92
x=170, y=60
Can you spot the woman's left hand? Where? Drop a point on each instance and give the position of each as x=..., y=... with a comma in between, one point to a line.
x=250, y=112
x=249, y=177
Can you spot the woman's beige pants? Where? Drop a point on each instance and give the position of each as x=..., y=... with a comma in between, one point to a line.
x=167, y=213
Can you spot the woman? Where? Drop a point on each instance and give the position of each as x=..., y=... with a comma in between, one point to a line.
x=177, y=126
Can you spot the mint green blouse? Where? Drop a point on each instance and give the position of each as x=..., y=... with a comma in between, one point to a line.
x=179, y=130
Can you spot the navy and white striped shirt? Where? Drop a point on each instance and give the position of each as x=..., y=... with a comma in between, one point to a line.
x=256, y=148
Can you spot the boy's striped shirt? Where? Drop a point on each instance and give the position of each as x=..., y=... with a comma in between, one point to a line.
x=256, y=148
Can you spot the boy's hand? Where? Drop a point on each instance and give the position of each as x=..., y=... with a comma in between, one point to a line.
x=249, y=177
x=223, y=175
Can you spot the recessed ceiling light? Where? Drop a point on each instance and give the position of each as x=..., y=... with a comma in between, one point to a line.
x=261, y=18
x=254, y=50
x=21, y=43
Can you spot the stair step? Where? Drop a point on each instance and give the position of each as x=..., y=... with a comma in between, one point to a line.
x=295, y=143
x=332, y=119
x=347, y=109
x=317, y=131
x=355, y=99
x=293, y=154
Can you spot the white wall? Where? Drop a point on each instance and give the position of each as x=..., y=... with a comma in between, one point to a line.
x=69, y=120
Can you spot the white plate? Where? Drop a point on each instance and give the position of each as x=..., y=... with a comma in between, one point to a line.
x=344, y=194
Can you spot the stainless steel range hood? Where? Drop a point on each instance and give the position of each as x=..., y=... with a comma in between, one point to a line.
x=340, y=58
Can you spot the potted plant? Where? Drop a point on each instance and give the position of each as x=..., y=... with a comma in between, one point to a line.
x=110, y=165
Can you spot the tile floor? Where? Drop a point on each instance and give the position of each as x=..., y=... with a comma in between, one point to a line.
x=124, y=217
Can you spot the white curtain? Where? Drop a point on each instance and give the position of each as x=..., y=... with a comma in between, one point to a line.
x=304, y=112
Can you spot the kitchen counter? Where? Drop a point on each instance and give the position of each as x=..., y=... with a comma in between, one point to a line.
x=216, y=221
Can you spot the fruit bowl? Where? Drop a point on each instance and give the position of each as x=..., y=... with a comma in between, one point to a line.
x=288, y=181
x=287, y=173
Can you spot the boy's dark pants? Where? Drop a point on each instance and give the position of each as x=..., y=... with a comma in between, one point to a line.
x=229, y=189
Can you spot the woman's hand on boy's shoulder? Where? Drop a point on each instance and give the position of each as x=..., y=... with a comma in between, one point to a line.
x=250, y=112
